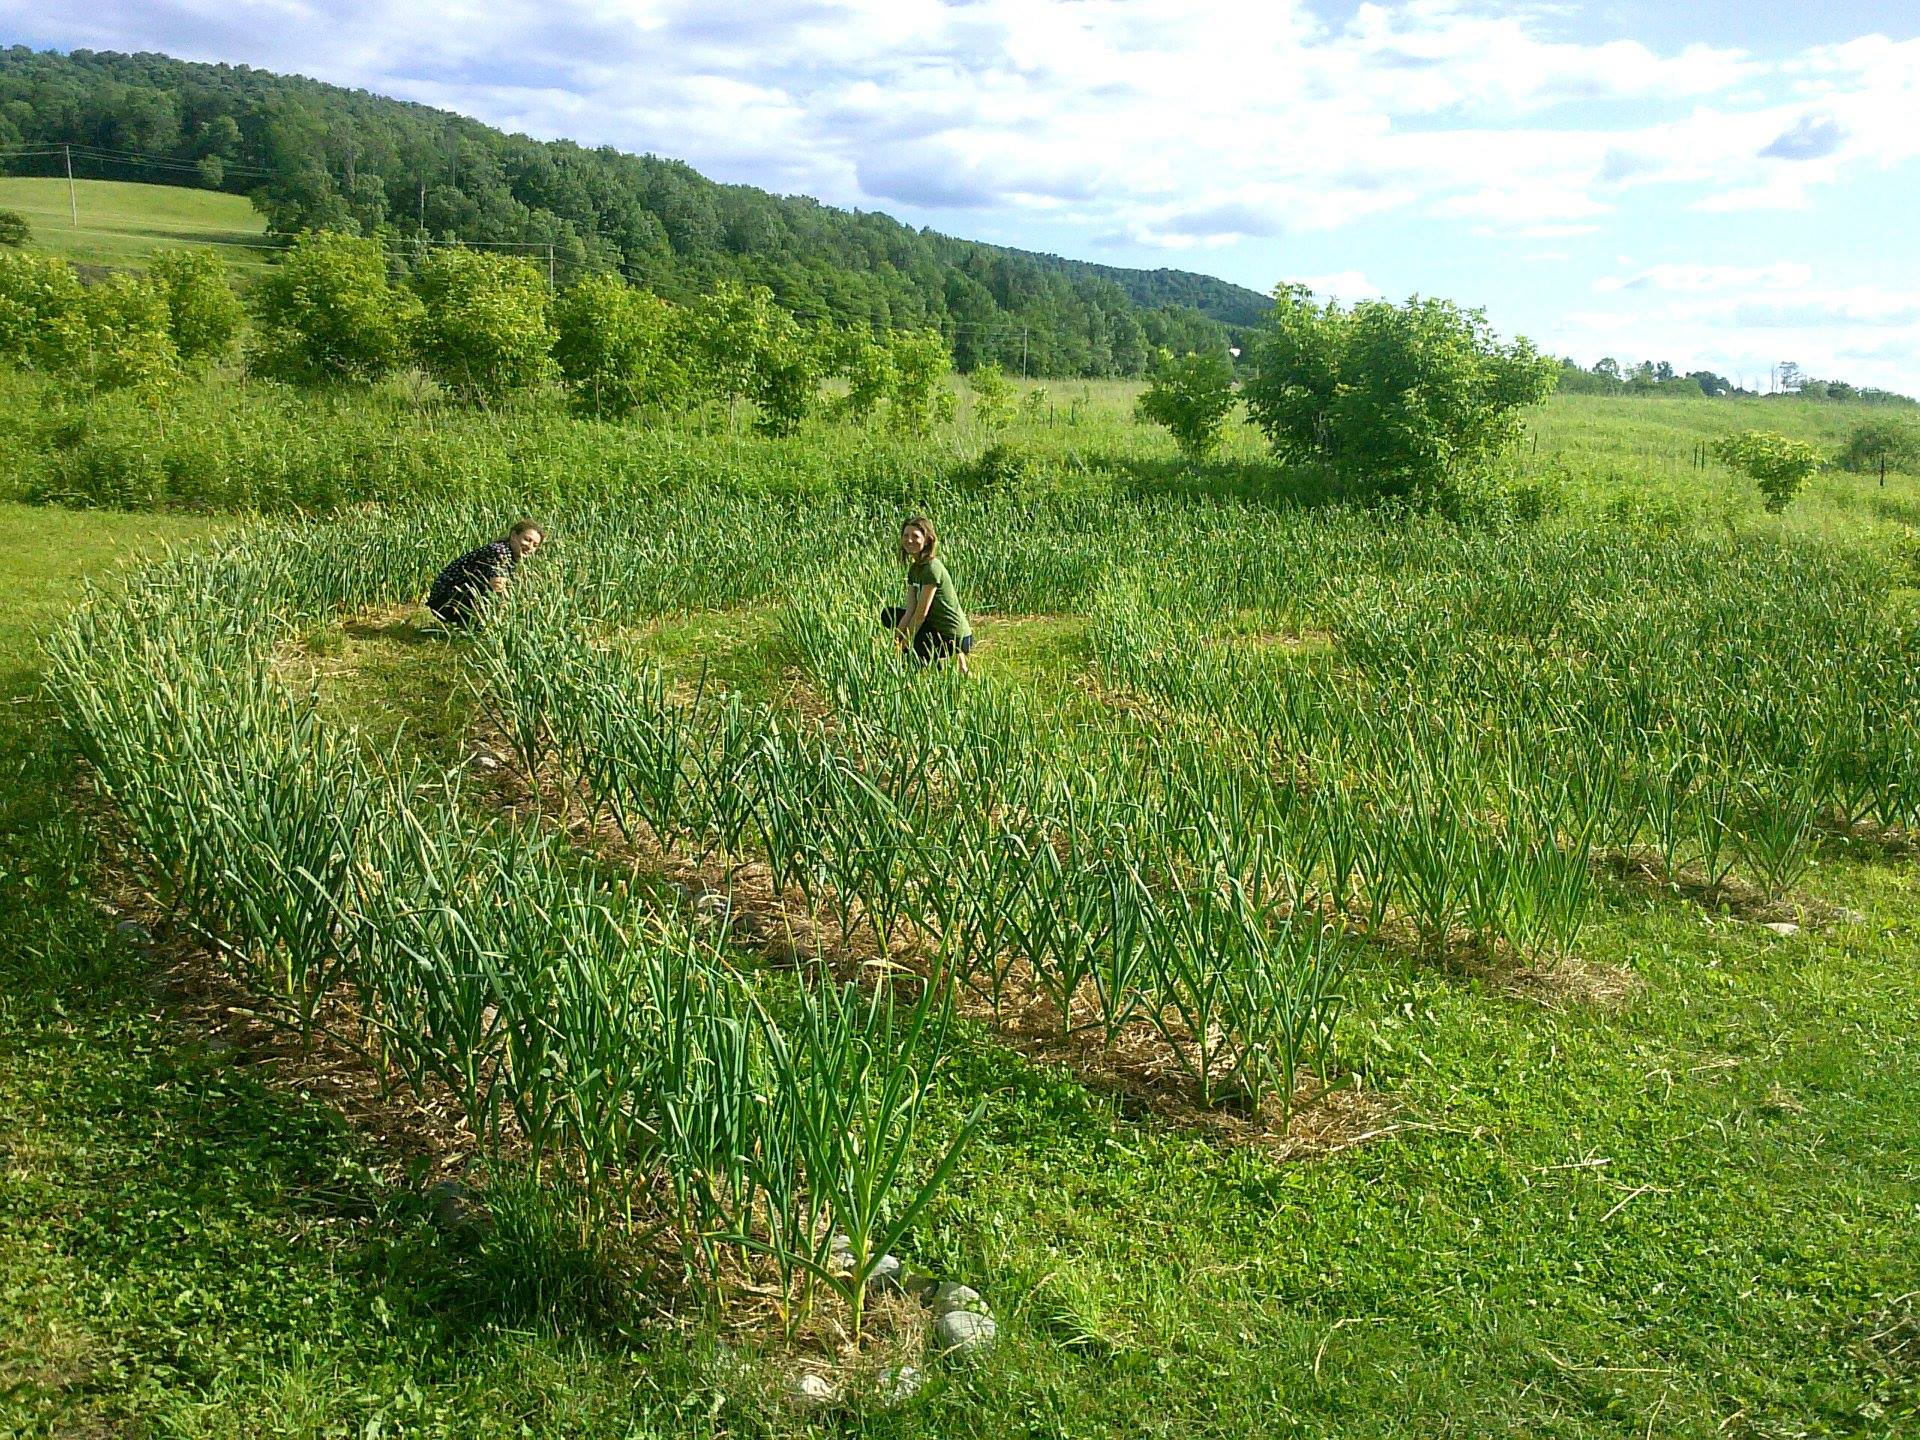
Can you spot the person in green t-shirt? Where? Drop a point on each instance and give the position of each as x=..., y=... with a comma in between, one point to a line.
x=932, y=625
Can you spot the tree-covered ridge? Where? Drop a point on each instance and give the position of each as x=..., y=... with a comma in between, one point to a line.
x=315, y=155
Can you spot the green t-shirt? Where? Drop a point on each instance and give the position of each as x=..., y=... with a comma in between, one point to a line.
x=944, y=615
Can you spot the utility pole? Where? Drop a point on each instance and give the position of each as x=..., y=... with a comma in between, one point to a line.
x=549, y=267
x=73, y=201
x=1023, y=352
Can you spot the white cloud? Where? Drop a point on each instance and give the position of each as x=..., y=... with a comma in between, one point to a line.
x=1188, y=126
x=1786, y=275
x=1345, y=285
x=1146, y=118
x=1743, y=321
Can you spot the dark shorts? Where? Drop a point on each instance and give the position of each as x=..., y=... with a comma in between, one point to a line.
x=928, y=645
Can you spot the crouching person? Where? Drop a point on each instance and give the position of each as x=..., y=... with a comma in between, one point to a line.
x=460, y=589
x=932, y=624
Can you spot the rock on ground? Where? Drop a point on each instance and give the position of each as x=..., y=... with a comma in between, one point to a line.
x=963, y=1335
x=810, y=1392
x=948, y=1298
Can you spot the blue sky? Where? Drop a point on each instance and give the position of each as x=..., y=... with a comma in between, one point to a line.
x=1724, y=186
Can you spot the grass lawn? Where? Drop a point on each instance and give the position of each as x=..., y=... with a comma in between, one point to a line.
x=121, y=222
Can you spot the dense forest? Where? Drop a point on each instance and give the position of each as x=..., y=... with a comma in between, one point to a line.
x=314, y=156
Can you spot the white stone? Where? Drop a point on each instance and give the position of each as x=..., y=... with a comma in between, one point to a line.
x=1783, y=928
x=949, y=1299
x=810, y=1391
x=486, y=761
x=899, y=1384
x=886, y=1274
x=963, y=1335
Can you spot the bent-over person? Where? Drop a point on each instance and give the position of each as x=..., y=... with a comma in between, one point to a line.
x=459, y=590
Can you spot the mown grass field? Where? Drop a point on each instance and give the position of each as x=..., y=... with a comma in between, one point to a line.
x=1683, y=1203
x=121, y=222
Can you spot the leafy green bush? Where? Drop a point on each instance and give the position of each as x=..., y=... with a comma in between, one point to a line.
x=1191, y=396
x=204, y=315
x=483, y=329
x=40, y=310
x=14, y=229
x=1001, y=467
x=744, y=346
x=786, y=380
x=1780, y=466
x=128, y=337
x=326, y=312
x=992, y=398
x=618, y=348
x=921, y=364
x=1406, y=398
x=1881, y=444
x=867, y=367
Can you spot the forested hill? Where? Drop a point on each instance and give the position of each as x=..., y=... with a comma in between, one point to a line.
x=316, y=155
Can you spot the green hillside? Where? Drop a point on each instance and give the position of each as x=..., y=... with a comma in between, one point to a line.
x=122, y=222
x=325, y=157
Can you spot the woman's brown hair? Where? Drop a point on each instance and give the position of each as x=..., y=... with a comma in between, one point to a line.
x=926, y=528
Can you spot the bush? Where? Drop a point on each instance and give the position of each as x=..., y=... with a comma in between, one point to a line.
x=867, y=367
x=14, y=229
x=41, y=300
x=1191, y=396
x=204, y=316
x=921, y=364
x=786, y=379
x=129, y=345
x=483, y=329
x=1881, y=444
x=1779, y=466
x=326, y=312
x=618, y=348
x=992, y=398
x=744, y=346
x=1001, y=467
x=1402, y=398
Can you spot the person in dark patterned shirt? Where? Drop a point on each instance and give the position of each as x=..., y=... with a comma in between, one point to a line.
x=459, y=589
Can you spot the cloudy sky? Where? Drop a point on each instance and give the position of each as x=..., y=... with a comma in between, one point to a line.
x=1725, y=186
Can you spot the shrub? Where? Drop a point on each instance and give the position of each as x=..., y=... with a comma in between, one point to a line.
x=14, y=229
x=786, y=377
x=618, y=348
x=327, y=313
x=921, y=364
x=1000, y=467
x=41, y=300
x=1191, y=396
x=1779, y=466
x=867, y=367
x=744, y=346
x=1881, y=444
x=992, y=397
x=204, y=316
x=483, y=329
x=1404, y=398
x=129, y=345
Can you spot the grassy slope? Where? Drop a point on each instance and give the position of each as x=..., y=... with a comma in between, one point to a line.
x=121, y=222
x=1688, y=1217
